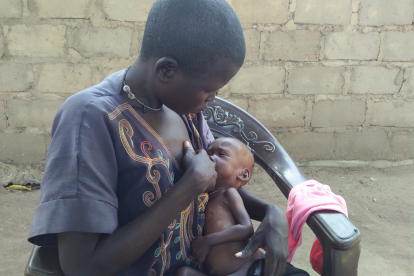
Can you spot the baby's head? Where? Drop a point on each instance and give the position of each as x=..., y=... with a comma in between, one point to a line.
x=233, y=161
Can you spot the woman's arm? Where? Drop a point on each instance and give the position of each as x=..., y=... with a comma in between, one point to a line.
x=97, y=254
x=272, y=234
x=256, y=207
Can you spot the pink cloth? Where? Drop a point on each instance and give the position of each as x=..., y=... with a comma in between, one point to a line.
x=304, y=199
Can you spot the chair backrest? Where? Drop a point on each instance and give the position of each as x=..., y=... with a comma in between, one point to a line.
x=340, y=239
x=228, y=120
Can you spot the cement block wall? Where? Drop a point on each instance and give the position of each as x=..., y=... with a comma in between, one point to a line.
x=331, y=79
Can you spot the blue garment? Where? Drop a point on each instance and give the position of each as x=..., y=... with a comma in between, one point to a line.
x=105, y=166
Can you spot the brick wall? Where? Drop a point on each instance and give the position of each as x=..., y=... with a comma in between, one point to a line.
x=332, y=79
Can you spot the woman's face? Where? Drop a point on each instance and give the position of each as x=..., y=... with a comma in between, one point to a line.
x=191, y=94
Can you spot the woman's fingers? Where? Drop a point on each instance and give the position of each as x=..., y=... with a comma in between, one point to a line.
x=274, y=244
x=281, y=267
x=274, y=264
x=188, y=154
x=270, y=265
x=253, y=245
x=200, y=167
x=188, y=148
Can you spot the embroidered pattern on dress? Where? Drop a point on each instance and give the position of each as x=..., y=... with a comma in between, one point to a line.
x=185, y=227
x=126, y=106
x=196, y=133
x=125, y=130
x=165, y=254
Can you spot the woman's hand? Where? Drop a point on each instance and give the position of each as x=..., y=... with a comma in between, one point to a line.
x=272, y=236
x=201, y=168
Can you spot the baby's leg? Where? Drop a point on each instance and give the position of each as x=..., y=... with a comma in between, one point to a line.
x=188, y=271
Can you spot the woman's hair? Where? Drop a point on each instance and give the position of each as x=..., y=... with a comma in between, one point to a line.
x=194, y=32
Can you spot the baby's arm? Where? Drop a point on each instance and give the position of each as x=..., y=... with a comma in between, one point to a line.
x=242, y=230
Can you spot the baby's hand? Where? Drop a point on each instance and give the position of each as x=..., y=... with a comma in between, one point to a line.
x=200, y=247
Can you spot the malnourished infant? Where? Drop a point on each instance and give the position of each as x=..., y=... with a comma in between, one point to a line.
x=228, y=226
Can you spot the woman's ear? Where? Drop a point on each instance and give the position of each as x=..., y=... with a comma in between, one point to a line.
x=165, y=68
x=244, y=175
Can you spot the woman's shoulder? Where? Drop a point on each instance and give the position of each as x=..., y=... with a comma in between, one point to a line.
x=104, y=94
x=102, y=98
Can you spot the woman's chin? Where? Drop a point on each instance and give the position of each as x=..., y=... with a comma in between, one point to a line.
x=197, y=110
x=193, y=110
x=204, y=107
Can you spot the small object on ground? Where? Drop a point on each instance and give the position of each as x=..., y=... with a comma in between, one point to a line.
x=372, y=179
x=374, y=200
x=35, y=186
x=361, y=181
x=27, y=187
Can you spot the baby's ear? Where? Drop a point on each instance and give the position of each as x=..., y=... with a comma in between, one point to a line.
x=244, y=175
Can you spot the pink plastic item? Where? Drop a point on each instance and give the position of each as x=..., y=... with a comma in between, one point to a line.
x=304, y=199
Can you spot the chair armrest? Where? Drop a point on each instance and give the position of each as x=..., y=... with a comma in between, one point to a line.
x=340, y=241
x=44, y=261
x=339, y=238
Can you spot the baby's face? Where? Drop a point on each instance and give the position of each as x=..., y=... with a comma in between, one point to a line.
x=229, y=156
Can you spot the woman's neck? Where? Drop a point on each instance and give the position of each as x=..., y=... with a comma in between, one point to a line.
x=138, y=78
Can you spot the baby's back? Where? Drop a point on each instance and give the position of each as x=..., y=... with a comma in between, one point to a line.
x=221, y=259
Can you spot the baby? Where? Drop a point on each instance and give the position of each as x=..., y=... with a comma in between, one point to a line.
x=228, y=226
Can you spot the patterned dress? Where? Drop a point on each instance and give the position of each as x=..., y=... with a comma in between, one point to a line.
x=105, y=166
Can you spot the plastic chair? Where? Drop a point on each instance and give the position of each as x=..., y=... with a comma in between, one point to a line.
x=339, y=238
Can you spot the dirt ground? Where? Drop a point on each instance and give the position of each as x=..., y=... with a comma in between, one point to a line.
x=381, y=207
